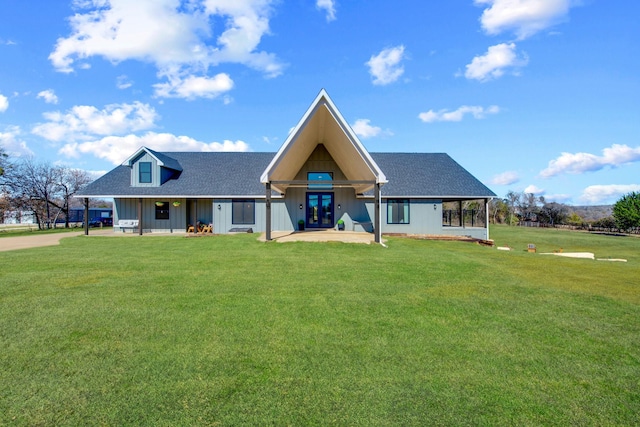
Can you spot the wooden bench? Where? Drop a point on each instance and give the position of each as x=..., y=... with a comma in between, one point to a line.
x=123, y=224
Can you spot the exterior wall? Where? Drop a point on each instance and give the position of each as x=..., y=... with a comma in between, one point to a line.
x=155, y=171
x=128, y=209
x=423, y=218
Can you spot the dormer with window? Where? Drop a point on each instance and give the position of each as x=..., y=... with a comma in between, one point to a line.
x=151, y=169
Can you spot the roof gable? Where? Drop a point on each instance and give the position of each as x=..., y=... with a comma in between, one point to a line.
x=323, y=124
x=162, y=159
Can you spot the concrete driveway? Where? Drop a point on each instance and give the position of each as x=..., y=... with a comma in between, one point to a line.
x=38, y=240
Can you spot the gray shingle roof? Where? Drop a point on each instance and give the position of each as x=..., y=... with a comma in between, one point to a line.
x=238, y=174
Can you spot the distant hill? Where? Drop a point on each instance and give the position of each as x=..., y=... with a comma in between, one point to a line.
x=592, y=213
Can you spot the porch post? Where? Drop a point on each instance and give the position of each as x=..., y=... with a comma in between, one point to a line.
x=461, y=214
x=377, y=232
x=486, y=220
x=86, y=216
x=268, y=212
x=140, y=216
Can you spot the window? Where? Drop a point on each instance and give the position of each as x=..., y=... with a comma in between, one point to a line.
x=319, y=176
x=398, y=211
x=162, y=210
x=243, y=212
x=144, y=172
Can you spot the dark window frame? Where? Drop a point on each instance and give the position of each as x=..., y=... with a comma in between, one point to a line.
x=145, y=176
x=320, y=186
x=247, y=214
x=162, y=210
x=396, y=205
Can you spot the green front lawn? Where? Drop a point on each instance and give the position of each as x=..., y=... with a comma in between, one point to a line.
x=229, y=331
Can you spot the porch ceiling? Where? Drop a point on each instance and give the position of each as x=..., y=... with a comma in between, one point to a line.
x=323, y=124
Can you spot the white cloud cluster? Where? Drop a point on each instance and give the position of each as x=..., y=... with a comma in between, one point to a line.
x=117, y=148
x=84, y=122
x=175, y=35
x=12, y=144
x=457, y=115
x=601, y=194
x=192, y=87
x=505, y=178
x=534, y=190
x=4, y=103
x=523, y=17
x=329, y=6
x=364, y=129
x=616, y=155
x=495, y=62
x=49, y=96
x=386, y=66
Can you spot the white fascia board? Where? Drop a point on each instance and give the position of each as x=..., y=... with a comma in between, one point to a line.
x=140, y=150
x=380, y=176
x=264, y=178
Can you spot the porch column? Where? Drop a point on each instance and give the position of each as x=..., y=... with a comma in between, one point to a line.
x=86, y=216
x=461, y=214
x=486, y=210
x=268, y=212
x=140, y=216
x=377, y=232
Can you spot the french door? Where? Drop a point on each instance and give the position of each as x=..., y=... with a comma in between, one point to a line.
x=320, y=210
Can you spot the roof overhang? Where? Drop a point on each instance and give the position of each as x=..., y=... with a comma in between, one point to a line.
x=323, y=124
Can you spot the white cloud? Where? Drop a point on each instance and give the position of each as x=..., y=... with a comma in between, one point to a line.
x=12, y=144
x=364, y=129
x=192, y=87
x=505, y=178
x=534, y=190
x=84, y=122
x=493, y=64
x=4, y=103
x=576, y=163
x=558, y=198
x=329, y=6
x=178, y=36
x=605, y=194
x=457, y=115
x=523, y=17
x=123, y=82
x=386, y=66
x=117, y=148
x=49, y=96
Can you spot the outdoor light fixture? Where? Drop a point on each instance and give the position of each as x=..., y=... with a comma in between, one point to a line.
x=338, y=206
x=300, y=205
x=219, y=207
x=435, y=207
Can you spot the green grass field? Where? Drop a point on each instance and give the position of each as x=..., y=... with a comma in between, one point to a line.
x=225, y=330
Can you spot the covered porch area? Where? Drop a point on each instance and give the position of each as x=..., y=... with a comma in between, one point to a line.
x=327, y=235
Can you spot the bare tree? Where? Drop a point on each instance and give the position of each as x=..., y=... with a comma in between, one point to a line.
x=43, y=189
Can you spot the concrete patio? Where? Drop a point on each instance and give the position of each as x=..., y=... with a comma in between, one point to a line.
x=330, y=235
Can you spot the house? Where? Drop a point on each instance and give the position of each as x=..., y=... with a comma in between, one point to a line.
x=321, y=174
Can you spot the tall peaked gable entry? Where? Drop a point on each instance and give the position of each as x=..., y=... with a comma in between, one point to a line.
x=323, y=125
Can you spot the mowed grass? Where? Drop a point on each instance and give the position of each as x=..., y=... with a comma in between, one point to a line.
x=225, y=330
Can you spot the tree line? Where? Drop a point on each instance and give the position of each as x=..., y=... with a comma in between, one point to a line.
x=42, y=189
x=527, y=208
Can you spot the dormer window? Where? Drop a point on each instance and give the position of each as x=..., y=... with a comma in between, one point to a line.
x=145, y=172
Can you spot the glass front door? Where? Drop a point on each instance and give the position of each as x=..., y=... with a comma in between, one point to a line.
x=319, y=210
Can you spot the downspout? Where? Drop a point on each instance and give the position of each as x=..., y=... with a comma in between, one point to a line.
x=486, y=210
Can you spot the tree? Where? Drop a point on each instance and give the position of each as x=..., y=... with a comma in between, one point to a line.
x=3, y=161
x=553, y=213
x=499, y=209
x=626, y=211
x=43, y=189
x=512, y=200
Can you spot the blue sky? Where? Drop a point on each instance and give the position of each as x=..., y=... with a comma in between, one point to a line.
x=539, y=96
